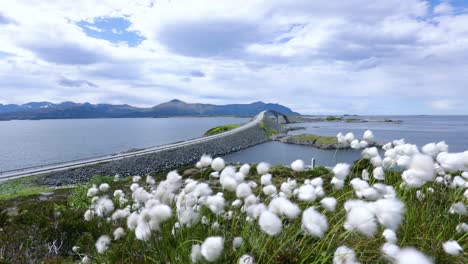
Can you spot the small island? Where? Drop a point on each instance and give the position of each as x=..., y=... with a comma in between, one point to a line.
x=220, y=129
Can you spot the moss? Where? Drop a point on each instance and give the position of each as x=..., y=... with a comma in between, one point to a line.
x=269, y=131
x=221, y=129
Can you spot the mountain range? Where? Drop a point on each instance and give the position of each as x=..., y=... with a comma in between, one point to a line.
x=70, y=110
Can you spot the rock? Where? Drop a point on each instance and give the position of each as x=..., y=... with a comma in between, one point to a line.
x=190, y=172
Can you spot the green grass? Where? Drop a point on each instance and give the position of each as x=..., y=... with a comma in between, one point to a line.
x=269, y=131
x=221, y=129
x=22, y=187
x=333, y=118
x=426, y=226
x=322, y=140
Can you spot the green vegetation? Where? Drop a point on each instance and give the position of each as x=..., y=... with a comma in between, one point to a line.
x=316, y=139
x=46, y=231
x=22, y=187
x=221, y=129
x=269, y=131
x=333, y=118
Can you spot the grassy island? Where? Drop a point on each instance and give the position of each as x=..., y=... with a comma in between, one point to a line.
x=221, y=129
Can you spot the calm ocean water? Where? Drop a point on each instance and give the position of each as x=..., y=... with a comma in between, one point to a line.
x=417, y=130
x=31, y=143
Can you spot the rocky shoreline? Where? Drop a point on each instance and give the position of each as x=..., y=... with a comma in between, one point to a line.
x=316, y=141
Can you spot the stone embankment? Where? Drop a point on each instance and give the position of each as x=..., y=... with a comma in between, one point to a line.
x=169, y=159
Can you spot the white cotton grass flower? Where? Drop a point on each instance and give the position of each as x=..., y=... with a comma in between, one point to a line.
x=89, y=215
x=452, y=247
x=314, y=223
x=378, y=174
x=462, y=228
x=102, y=244
x=365, y=175
x=246, y=259
x=263, y=168
x=270, y=223
x=349, y=137
x=316, y=182
x=253, y=184
x=389, y=212
x=104, y=187
x=215, y=203
x=363, y=144
x=265, y=179
x=337, y=183
x=119, y=193
x=269, y=190
x=453, y=161
x=132, y=220
x=283, y=207
x=150, y=180
x=362, y=220
x=218, y=164
x=136, y=178
x=390, y=236
x=195, y=254
x=306, y=193
x=212, y=248
x=236, y=203
x=411, y=256
x=341, y=171
x=120, y=214
x=85, y=260
x=93, y=191
x=341, y=139
x=421, y=170
x=245, y=169
x=420, y=195
x=390, y=250
x=355, y=144
x=205, y=160
x=119, y=232
x=359, y=184
x=298, y=165
x=368, y=136
x=134, y=186
x=369, y=153
x=344, y=255
x=103, y=207
x=237, y=242
x=458, y=208
x=75, y=249
x=329, y=203
x=243, y=190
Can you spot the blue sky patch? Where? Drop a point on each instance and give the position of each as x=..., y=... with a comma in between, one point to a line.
x=113, y=29
x=4, y=54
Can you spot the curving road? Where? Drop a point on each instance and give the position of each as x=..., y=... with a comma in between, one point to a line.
x=13, y=174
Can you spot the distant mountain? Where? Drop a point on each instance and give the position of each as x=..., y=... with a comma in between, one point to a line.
x=70, y=110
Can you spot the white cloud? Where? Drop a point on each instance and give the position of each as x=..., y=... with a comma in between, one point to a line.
x=314, y=56
x=445, y=104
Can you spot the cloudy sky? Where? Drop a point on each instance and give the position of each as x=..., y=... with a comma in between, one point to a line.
x=322, y=56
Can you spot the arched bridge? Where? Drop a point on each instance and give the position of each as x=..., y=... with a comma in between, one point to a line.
x=279, y=117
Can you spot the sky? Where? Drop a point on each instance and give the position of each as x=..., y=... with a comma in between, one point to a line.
x=316, y=57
